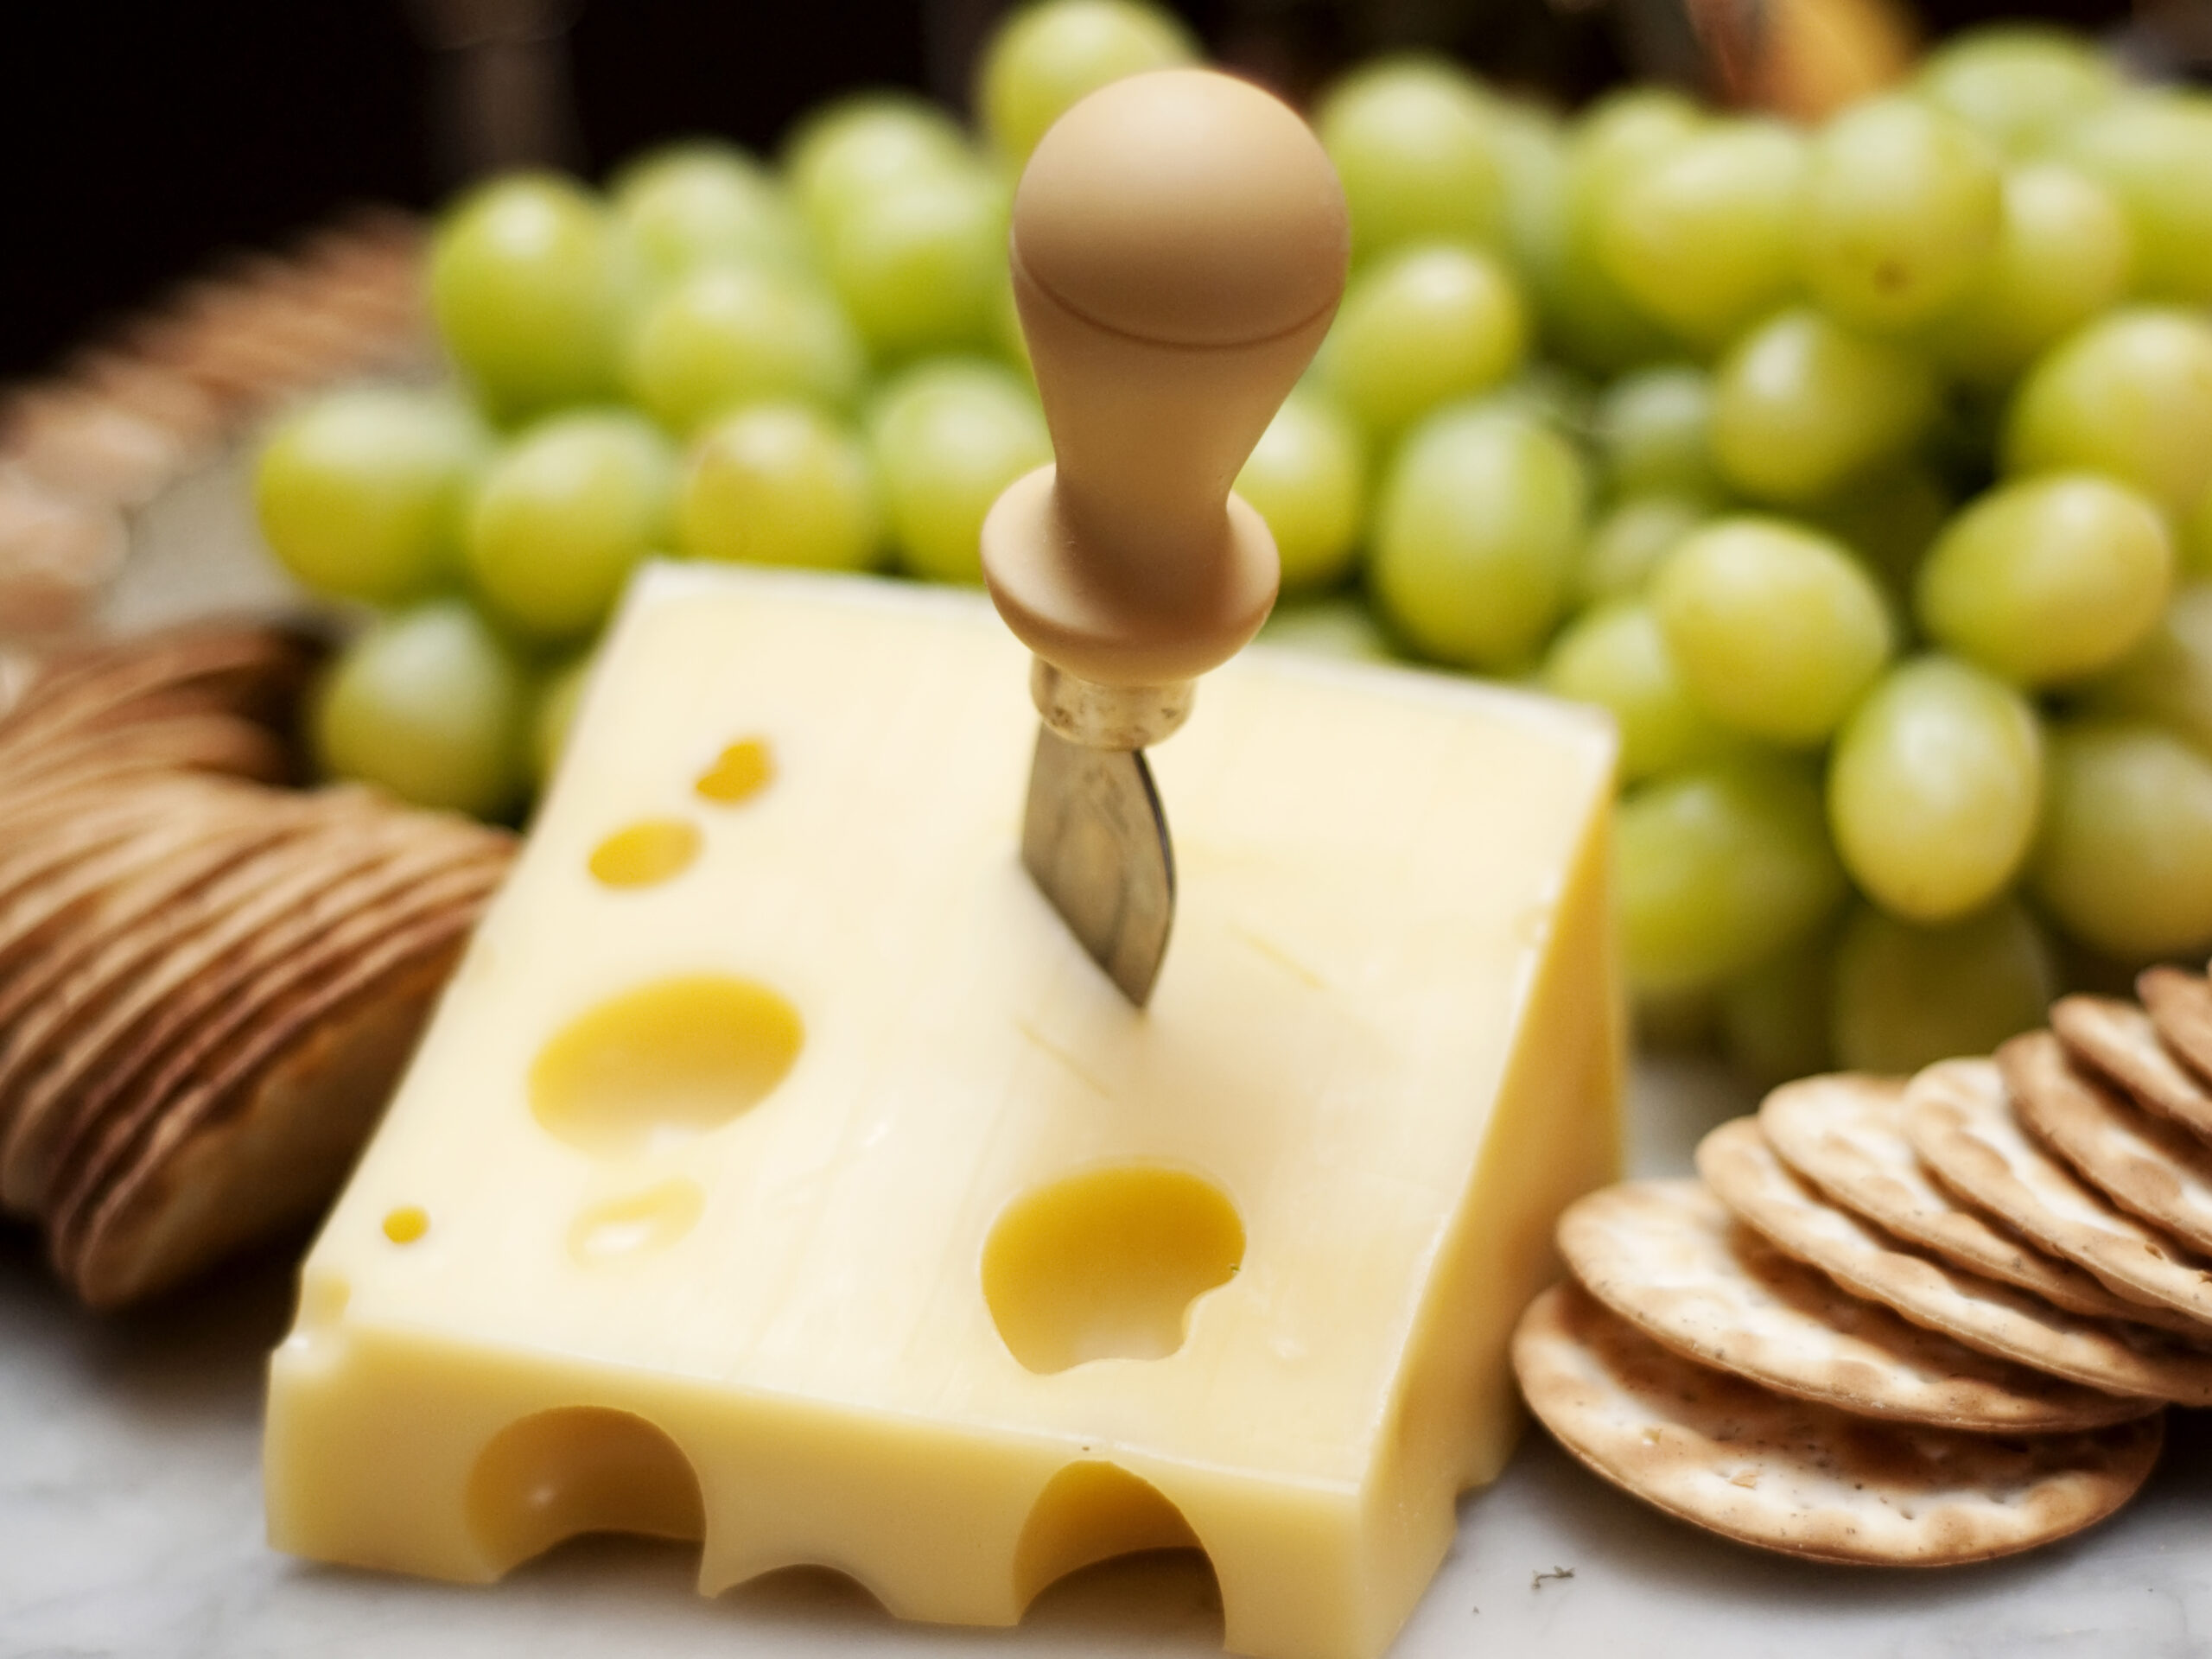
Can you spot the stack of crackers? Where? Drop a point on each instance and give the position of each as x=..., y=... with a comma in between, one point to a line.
x=131, y=414
x=1908, y=1322
x=209, y=981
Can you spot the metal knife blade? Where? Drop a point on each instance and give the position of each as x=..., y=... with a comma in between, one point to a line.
x=1095, y=840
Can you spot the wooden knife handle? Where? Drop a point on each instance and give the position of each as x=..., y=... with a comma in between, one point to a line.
x=1178, y=248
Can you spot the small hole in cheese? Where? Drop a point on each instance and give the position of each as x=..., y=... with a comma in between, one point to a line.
x=740, y=772
x=662, y=1063
x=646, y=853
x=1106, y=1264
x=637, y=1225
x=406, y=1224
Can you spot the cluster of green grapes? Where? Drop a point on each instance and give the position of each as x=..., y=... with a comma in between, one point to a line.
x=1863, y=473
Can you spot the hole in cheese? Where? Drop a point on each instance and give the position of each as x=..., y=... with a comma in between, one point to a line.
x=809, y=1590
x=663, y=1063
x=740, y=772
x=406, y=1224
x=1106, y=1264
x=646, y=853
x=576, y=1470
x=1091, y=1512
x=637, y=1225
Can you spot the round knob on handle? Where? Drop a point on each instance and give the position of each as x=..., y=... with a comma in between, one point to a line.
x=1179, y=247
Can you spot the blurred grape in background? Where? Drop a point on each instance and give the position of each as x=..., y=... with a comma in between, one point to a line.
x=1821, y=388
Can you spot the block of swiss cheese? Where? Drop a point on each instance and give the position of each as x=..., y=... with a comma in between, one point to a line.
x=778, y=1172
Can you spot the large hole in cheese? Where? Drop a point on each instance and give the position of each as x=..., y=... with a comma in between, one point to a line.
x=576, y=1470
x=670, y=1060
x=1105, y=1264
x=1091, y=1512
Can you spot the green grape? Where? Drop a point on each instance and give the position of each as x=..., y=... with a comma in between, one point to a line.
x=1588, y=319
x=1550, y=393
x=531, y=288
x=431, y=705
x=850, y=152
x=2017, y=84
x=1775, y=630
x=2167, y=678
x=1531, y=152
x=1654, y=432
x=2153, y=151
x=1721, y=865
x=2130, y=395
x=1415, y=142
x=1902, y=208
x=1308, y=478
x=360, y=494
x=1774, y=1015
x=703, y=203
x=1614, y=656
x=1334, y=625
x=1889, y=520
x=1802, y=408
x=1476, y=533
x=739, y=335
x=1425, y=325
x=2124, y=862
x=1628, y=128
x=1046, y=57
x=947, y=436
x=1629, y=542
x=1908, y=997
x=553, y=716
x=564, y=516
x=1704, y=237
x=2061, y=257
x=1934, y=784
x=923, y=267
x=2050, y=579
x=2195, y=545
x=780, y=484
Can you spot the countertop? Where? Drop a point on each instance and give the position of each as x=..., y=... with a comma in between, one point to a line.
x=130, y=1523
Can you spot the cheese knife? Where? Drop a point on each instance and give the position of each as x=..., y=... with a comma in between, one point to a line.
x=1179, y=247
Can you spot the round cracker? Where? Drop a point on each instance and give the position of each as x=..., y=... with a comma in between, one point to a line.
x=217, y=743
x=99, y=1237
x=312, y=905
x=2119, y=1358
x=2180, y=1007
x=1845, y=1133
x=1792, y=1476
x=2118, y=1040
x=2149, y=1166
x=1676, y=1263
x=1960, y=1119
x=69, y=1092
x=277, y=1160
x=52, y=1057
x=253, y=669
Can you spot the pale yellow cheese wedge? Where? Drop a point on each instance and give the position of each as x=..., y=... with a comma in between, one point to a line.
x=779, y=1173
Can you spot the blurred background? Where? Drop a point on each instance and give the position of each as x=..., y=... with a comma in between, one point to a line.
x=146, y=139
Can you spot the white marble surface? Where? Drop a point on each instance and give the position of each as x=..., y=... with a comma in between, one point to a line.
x=130, y=1523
